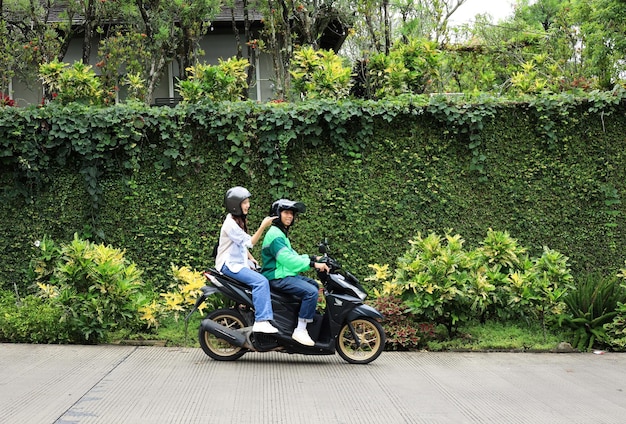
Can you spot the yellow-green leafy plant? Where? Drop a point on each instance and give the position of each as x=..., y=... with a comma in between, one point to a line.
x=136, y=86
x=71, y=83
x=319, y=74
x=226, y=81
x=99, y=290
x=435, y=273
x=386, y=76
x=421, y=58
x=498, y=258
x=440, y=282
x=185, y=290
x=432, y=278
x=410, y=67
x=528, y=80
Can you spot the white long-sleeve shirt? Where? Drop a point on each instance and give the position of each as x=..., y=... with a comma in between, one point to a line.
x=233, y=246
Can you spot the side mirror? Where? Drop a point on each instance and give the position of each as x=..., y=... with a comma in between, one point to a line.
x=323, y=246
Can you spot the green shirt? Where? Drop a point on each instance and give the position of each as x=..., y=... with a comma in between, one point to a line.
x=278, y=257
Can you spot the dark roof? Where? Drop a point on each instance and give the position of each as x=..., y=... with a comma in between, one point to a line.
x=225, y=15
x=333, y=35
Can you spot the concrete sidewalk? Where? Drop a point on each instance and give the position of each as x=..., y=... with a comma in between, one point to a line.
x=137, y=384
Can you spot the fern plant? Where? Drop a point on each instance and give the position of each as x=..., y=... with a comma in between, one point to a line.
x=591, y=305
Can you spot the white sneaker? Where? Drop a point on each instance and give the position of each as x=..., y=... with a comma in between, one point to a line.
x=302, y=337
x=264, y=327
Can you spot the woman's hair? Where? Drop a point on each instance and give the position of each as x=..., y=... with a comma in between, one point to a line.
x=242, y=222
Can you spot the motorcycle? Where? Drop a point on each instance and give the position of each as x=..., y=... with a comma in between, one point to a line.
x=346, y=325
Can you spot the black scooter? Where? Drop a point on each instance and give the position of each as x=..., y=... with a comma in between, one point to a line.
x=346, y=326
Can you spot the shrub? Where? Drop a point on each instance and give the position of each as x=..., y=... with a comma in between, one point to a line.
x=96, y=287
x=496, y=260
x=592, y=304
x=31, y=320
x=75, y=83
x=119, y=54
x=408, y=68
x=616, y=330
x=434, y=275
x=386, y=76
x=551, y=280
x=440, y=282
x=319, y=74
x=226, y=81
x=401, y=328
x=422, y=60
x=185, y=290
x=5, y=100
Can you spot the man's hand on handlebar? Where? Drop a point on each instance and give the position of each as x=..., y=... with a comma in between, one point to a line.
x=322, y=267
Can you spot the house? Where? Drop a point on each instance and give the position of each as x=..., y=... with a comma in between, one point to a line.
x=219, y=43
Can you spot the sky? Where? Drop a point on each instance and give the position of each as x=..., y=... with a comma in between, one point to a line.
x=498, y=9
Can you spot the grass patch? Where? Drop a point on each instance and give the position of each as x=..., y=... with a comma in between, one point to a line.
x=498, y=336
x=171, y=332
x=491, y=336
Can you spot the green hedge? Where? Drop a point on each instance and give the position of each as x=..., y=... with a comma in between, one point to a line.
x=550, y=171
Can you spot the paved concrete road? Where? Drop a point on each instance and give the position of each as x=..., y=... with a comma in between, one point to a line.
x=127, y=384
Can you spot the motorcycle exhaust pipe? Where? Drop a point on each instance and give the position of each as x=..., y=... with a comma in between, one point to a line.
x=231, y=336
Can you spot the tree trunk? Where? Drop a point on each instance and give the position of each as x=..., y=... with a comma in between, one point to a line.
x=156, y=70
x=287, y=48
x=251, y=51
x=387, y=26
x=233, y=22
x=88, y=30
x=187, y=58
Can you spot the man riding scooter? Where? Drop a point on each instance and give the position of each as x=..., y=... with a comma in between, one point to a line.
x=282, y=266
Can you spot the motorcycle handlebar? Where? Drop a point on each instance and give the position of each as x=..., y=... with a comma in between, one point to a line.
x=332, y=263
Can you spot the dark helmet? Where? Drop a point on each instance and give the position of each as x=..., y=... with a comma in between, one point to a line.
x=233, y=199
x=286, y=205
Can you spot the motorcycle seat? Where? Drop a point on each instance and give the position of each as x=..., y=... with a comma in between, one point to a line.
x=282, y=297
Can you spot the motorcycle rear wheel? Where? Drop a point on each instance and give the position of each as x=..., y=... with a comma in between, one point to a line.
x=217, y=348
x=372, y=341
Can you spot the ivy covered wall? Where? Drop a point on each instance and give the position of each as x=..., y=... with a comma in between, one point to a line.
x=151, y=180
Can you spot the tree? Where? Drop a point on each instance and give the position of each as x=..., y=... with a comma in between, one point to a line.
x=165, y=38
x=541, y=48
x=10, y=60
x=152, y=34
x=602, y=26
x=380, y=23
x=87, y=13
x=290, y=23
x=43, y=40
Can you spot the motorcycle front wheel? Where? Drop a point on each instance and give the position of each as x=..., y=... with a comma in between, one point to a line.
x=217, y=348
x=371, y=337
